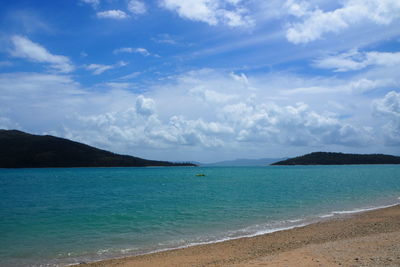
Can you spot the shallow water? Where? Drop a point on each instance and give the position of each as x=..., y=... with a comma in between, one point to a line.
x=70, y=215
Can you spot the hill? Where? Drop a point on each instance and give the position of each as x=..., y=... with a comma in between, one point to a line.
x=329, y=158
x=244, y=162
x=22, y=150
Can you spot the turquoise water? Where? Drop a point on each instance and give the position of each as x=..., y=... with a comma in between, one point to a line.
x=63, y=216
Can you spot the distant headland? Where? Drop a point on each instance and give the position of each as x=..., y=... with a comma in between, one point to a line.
x=329, y=158
x=23, y=150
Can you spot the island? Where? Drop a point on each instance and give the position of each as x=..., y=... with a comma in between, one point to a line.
x=330, y=158
x=23, y=150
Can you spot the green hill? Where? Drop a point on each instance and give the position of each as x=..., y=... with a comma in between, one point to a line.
x=329, y=158
x=22, y=150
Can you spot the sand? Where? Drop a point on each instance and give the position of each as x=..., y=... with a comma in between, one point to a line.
x=364, y=239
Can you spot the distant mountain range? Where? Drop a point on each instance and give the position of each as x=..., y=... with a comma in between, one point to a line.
x=329, y=158
x=22, y=150
x=244, y=162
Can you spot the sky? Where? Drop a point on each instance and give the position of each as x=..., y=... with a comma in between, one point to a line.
x=204, y=80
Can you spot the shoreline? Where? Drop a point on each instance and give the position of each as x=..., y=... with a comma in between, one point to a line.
x=341, y=226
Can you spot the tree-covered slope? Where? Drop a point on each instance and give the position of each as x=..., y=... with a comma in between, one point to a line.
x=329, y=158
x=23, y=150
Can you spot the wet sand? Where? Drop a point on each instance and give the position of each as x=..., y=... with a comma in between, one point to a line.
x=364, y=239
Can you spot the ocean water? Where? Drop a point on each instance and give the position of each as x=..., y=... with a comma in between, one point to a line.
x=51, y=217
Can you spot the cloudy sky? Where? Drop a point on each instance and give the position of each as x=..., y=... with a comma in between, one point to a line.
x=204, y=80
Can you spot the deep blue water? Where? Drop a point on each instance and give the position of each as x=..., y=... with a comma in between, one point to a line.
x=70, y=215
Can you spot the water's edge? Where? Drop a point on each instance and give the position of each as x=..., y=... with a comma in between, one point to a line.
x=305, y=222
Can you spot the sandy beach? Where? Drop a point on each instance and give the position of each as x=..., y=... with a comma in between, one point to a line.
x=370, y=238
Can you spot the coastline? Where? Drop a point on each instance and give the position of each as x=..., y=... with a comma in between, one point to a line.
x=368, y=238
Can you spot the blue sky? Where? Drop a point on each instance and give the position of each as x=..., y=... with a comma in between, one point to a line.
x=204, y=80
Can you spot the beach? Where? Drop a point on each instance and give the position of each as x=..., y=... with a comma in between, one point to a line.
x=370, y=238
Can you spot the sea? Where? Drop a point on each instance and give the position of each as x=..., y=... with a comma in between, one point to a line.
x=64, y=216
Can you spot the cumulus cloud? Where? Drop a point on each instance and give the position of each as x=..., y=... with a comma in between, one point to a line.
x=25, y=48
x=389, y=108
x=210, y=96
x=389, y=105
x=182, y=131
x=112, y=14
x=355, y=60
x=145, y=106
x=212, y=12
x=139, y=50
x=137, y=7
x=100, y=68
x=140, y=125
x=198, y=110
x=296, y=125
x=240, y=77
x=314, y=22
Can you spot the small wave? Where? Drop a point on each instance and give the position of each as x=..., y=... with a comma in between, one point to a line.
x=295, y=220
x=326, y=215
x=364, y=209
x=252, y=231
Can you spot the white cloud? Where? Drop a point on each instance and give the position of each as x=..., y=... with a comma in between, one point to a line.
x=240, y=78
x=389, y=105
x=130, y=76
x=112, y=14
x=356, y=86
x=210, y=96
x=142, y=51
x=213, y=12
x=202, y=111
x=316, y=22
x=93, y=3
x=139, y=50
x=389, y=108
x=35, y=84
x=194, y=132
x=145, y=106
x=99, y=68
x=137, y=7
x=166, y=39
x=355, y=60
x=25, y=48
x=364, y=85
x=294, y=125
x=297, y=8
x=117, y=85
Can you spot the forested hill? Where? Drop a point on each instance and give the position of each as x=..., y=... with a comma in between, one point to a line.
x=329, y=158
x=22, y=150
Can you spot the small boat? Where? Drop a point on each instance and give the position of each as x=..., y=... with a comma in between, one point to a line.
x=200, y=174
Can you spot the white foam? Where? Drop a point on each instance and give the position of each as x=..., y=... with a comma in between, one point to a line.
x=363, y=209
x=261, y=232
x=327, y=215
x=254, y=233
